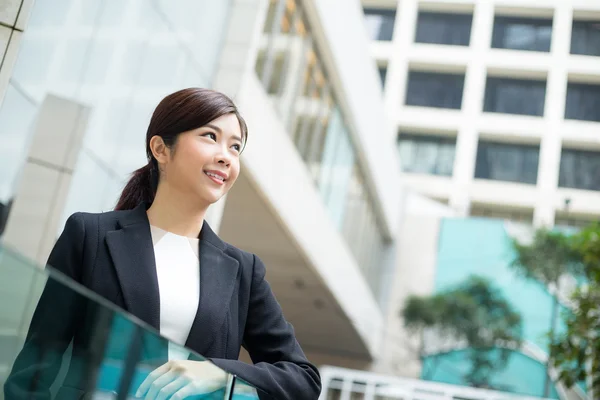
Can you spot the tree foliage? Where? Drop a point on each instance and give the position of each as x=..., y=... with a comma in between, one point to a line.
x=548, y=257
x=475, y=312
x=552, y=254
x=576, y=353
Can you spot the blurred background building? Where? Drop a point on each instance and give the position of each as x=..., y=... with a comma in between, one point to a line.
x=377, y=130
x=495, y=103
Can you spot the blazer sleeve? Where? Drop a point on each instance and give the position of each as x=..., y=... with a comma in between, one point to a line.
x=52, y=326
x=281, y=370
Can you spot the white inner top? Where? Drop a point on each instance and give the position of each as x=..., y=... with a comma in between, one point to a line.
x=178, y=272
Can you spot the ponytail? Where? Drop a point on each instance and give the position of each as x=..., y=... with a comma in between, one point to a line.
x=141, y=187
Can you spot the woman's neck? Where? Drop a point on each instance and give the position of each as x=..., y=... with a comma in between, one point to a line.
x=176, y=213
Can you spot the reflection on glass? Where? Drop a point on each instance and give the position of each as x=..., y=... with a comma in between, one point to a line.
x=585, y=38
x=380, y=23
x=579, y=169
x=583, y=102
x=111, y=356
x=50, y=13
x=444, y=28
x=291, y=70
x=507, y=162
x=16, y=118
x=243, y=390
x=432, y=89
x=534, y=34
x=515, y=96
x=107, y=54
x=427, y=154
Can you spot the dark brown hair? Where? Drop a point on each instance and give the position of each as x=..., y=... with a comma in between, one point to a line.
x=179, y=112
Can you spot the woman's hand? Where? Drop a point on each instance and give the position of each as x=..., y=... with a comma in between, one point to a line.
x=180, y=379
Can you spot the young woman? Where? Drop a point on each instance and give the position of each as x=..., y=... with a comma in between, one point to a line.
x=157, y=258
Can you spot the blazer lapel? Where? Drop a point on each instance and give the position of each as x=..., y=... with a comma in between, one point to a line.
x=132, y=253
x=218, y=279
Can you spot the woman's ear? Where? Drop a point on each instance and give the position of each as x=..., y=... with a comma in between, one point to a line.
x=159, y=149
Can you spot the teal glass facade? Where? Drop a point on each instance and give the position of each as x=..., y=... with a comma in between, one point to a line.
x=480, y=246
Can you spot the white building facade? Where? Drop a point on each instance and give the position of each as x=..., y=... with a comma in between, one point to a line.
x=495, y=103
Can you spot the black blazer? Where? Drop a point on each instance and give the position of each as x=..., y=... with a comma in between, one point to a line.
x=112, y=254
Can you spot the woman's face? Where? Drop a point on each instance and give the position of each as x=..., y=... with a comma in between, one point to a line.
x=206, y=161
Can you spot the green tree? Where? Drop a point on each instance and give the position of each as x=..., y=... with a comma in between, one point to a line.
x=546, y=259
x=475, y=312
x=576, y=353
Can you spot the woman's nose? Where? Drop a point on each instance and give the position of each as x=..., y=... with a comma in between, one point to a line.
x=223, y=158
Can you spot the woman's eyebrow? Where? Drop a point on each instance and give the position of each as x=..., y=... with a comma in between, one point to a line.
x=216, y=128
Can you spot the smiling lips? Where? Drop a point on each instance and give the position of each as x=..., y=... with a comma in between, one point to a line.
x=217, y=176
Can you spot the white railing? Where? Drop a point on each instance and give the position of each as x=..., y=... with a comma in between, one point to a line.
x=371, y=386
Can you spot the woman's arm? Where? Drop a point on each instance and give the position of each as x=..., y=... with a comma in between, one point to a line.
x=52, y=325
x=281, y=370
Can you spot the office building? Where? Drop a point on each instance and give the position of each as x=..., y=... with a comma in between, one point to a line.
x=495, y=103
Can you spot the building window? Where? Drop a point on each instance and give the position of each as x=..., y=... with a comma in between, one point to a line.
x=426, y=154
x=431, y=89
x=585, y=38
x=380, y=23
x=566, y=219
x=511, y=214
x=507, y=162
x=579, y=169
x=583, y=102
x=382, y=75
x=534, y=34
x=515, y=96
x=444, y=28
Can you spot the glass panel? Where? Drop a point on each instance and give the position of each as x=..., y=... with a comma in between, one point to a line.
x=565, y=219
x=583, y=102
x=507, y=162
x=427, y=154
x=585, y=38
x=495, y=212
x=380, y=23
x=42, y=311
x=522, y=33
x=444, y=28
x=579, y=169
x=243, y=390
x=342, y=167
x=16, y=118
x=431, y=89
x=333, y=137
x=515, y=96
x=118, y=58
x=199, y=26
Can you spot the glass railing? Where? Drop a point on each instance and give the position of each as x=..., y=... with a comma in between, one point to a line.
x=59, y=340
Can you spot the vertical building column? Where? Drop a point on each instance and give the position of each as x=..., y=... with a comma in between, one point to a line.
x=398, y=64
x=40, y=198
x=473, y=95
x=238, y=57
x=241, y=44
x=554, y=111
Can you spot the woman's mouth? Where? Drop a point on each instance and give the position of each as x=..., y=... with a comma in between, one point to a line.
x=216, y=177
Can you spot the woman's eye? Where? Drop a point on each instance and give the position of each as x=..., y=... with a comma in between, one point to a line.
x=237, y=147
x=210, y=135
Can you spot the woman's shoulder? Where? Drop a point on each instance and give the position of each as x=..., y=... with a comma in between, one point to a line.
x=97, y=220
